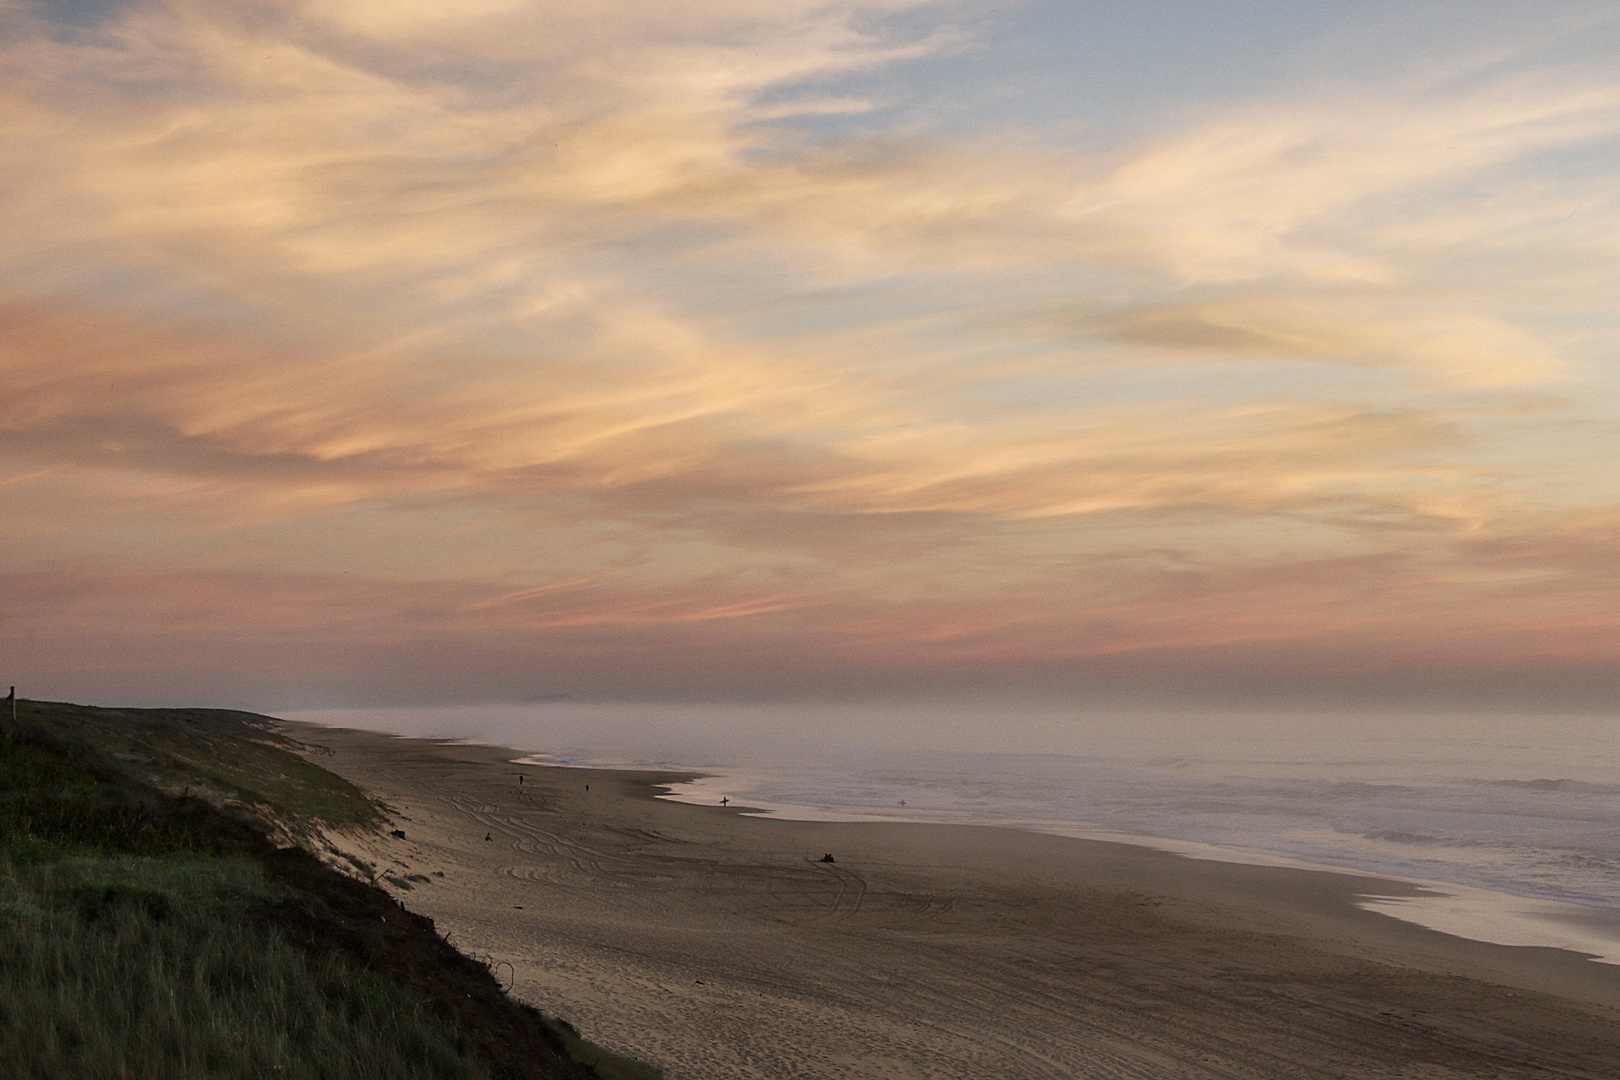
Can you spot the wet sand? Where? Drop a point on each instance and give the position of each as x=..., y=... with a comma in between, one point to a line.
x=715, y=944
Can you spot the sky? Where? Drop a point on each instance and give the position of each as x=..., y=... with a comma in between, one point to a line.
x=390, y=352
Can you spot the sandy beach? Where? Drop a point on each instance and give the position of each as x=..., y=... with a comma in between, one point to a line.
x=717, y=946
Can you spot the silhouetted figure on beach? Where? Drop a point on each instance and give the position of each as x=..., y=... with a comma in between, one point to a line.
x=520, y=779
x=587, y=787
x=488, y=837
x=828, y=858
x=725, y=800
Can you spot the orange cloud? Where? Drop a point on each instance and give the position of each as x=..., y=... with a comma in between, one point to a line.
x=514, y=323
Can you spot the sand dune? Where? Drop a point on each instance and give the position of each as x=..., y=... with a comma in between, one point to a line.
x=716, y=945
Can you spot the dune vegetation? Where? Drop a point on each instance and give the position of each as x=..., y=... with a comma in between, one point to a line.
x=151, y=927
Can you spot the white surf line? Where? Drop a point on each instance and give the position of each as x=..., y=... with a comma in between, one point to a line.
x=550, y=761
x=1465, y=911
x=1505, y=919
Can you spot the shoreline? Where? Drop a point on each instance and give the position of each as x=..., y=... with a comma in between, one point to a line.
x=1479, y=913
x=710, y=941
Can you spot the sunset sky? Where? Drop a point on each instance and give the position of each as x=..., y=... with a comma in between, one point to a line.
x=365, y=352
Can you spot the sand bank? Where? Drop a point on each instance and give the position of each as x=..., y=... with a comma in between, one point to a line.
x=716, y=945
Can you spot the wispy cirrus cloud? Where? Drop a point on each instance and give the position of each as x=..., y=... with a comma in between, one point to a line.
x=519, y=295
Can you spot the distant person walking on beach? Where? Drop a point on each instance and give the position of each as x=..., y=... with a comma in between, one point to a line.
x=725, y=800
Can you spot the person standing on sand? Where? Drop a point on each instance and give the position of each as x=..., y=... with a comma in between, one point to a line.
x=725, y=800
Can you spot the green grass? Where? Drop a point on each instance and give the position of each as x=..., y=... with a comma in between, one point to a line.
x=51, y=804
x=148, y=936
x=136, y=939
x=146, y=968
x=232, y=757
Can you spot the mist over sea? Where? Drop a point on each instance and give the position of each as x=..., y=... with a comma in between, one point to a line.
x=1518, y=805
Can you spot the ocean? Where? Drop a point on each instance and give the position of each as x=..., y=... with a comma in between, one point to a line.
x=1513, y=821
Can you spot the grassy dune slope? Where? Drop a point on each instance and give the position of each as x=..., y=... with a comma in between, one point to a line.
x=234, y=758
x=149, y=932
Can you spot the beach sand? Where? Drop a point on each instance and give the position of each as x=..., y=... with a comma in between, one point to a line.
x=715, y=945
